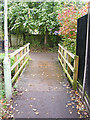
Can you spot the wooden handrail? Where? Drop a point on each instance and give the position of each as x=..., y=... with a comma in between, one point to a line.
x=18, y=61
x=17, y=51
x=72, y=55
x=21, y=57
x=70, y=66
x=65, y=59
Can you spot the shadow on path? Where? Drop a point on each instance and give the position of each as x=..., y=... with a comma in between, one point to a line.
x=42, y=89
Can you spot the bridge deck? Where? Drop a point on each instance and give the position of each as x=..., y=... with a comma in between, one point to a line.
x=43, y=92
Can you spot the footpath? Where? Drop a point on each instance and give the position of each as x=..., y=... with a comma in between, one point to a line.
x=44, y=91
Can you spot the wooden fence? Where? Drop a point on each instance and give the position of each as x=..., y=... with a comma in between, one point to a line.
x=69, y=63
x=18, y=60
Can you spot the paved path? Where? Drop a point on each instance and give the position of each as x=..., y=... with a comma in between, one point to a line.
x=42, y=89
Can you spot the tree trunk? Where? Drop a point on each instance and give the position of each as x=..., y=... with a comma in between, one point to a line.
x=17, y=40
x=24, y=38
x=46, y=36
x=10, y=38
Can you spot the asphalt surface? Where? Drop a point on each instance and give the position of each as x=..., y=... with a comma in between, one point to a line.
x=43, y=89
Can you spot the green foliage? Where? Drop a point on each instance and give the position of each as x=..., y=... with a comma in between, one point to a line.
x=2, y=55
x=69, y=44
x=36, y=42
x=33, y=17
x=47, y=17
x=12, y=60
x=2, y=94
x=18, y=17
x=67, y=18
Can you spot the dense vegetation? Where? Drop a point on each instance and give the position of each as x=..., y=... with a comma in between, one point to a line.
x=48, y=20
x=68, y=21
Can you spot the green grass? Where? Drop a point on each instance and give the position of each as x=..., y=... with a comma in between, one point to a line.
x=2, y=56
x=12, y=48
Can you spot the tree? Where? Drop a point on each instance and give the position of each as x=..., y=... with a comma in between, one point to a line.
x=19, y=18
x=47, y=18
x=68, y=21
x=34, y=16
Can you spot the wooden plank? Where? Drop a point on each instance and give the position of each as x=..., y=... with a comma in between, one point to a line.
x=18, y=72
x=65, y=58
x=75, y=74
x=18, y=61
x=60, y=51
x=69, y=77
x=16, y=67
x=17, y=51
x=24, y=53
x=70, y=66
x=72, y=55
x=21, y=54
x=69, y=60
x=62, y=54
x=28, y=50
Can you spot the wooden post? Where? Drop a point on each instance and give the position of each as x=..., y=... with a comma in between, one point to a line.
x=28, y=50
x=21, y=53
x=69, y=60
x=16, y=58
x=24, y=53
x=61, y=56
x=65, y=58
x=60, y=51
x=75, y=74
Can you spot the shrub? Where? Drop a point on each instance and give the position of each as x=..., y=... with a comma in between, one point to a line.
x=68, y=21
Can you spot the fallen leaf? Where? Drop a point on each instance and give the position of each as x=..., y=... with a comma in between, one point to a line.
x=37, y=113
x=31, y=98
x=80, y=116
x=67, y=92
x=12, y=116
x=34, y=110
x=11, y=106
x=33, y=75
x=16, y=105
x=73, y=103
x=73, y=107
x=69, y=104
x=30, y=85
x=31, y=106
x=17, y=110
x=34, y=98
x=66, y=105
x=26, y=90
x=85, y=113
x=64, y=85
x=78, y=113
x=70, y=112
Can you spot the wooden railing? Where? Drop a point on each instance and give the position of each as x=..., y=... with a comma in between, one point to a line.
x=20, y=58
x=69, y=63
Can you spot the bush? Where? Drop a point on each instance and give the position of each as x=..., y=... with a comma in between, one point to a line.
x=68, y=21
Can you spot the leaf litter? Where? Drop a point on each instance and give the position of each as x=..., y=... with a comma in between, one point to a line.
x=76, y=102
